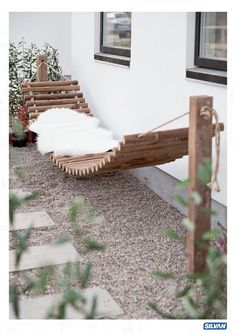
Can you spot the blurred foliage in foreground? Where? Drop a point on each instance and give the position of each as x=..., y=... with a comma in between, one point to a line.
x=204, y=295
x=72, y=273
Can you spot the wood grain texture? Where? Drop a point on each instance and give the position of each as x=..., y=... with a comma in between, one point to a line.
x=130, y=155
x=51, y=96
x=200, y=148
x=42, y=72
x=49, y=83
x=70, y=106
x=55, y=88
x=55, y=102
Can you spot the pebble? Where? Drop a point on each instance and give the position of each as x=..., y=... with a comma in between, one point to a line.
x=134, y=221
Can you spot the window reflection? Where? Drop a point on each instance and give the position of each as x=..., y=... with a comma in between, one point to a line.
x=117, y=29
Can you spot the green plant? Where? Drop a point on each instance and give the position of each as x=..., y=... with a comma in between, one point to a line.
x=15, y=68
x=17, y=129
x=86, y=213
x=53, y=62
x=204, y=295
x=22, y=67
x=71, y=273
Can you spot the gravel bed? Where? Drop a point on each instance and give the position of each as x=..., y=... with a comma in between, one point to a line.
x=132, y=231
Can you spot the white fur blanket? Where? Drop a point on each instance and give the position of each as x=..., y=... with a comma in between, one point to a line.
x=67, y=132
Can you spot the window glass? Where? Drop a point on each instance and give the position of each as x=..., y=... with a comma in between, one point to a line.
x=213, y=40
x=117, y=30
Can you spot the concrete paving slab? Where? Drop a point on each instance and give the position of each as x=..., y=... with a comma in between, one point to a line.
x=19, y=192
x=41, y=256
x=12, y=174
x=37, y=308
x=35, y=219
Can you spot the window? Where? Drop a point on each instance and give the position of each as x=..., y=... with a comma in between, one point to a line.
x=211, y=40
x=115, y=37
x=210, y=50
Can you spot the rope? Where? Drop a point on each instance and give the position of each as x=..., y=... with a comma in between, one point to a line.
x=31, y=78
x=206, y=112
x=38, y=67
x=160, y=126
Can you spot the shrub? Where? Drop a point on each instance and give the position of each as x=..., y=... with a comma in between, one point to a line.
x=22, y=66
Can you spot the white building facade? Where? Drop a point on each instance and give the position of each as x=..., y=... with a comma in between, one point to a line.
x=152, y=89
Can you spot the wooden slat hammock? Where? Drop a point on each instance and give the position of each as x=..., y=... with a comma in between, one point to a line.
x=134, y=151
x=140, y=150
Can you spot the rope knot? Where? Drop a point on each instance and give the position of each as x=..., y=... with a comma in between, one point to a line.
x=207, y=112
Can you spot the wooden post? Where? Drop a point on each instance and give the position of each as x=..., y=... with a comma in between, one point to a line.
x=42, y=73
x=200, y=146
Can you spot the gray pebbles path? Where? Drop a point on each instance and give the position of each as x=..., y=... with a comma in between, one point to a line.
x=134, y=221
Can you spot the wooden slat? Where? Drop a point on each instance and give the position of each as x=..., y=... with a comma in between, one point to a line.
x=148, y=150
x=79, y=159
x=55, y=157
x=67, y=159
x=71, y=106
x=142, y=159
x=80, y=165
x=65, y=165
x=49, y=83
x=86, y=169
x=134, y=138
x=84, y=110
x=135, y=164
x=110, y=167
x=33, y=115
x=158, y=136
x=53, y=102
x=150, y=146
x=149, y=154
x=44, y=108
x=50, y=88
x=52, y=96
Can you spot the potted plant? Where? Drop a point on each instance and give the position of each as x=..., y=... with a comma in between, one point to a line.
x=18, y=134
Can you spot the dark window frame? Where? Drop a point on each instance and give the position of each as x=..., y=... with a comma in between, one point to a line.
x=111, y=50
x=205, y=62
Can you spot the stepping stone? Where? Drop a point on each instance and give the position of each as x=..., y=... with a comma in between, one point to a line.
x=35, y=219
x=19, y=192
x=46, y=255
x=37, y=308
x=12, y=174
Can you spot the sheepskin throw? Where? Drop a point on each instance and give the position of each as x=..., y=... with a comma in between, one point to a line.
x=67, y=132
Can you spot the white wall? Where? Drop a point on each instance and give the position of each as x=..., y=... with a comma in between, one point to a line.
x=154, y=89
x=128, y=100
x=39, y=28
